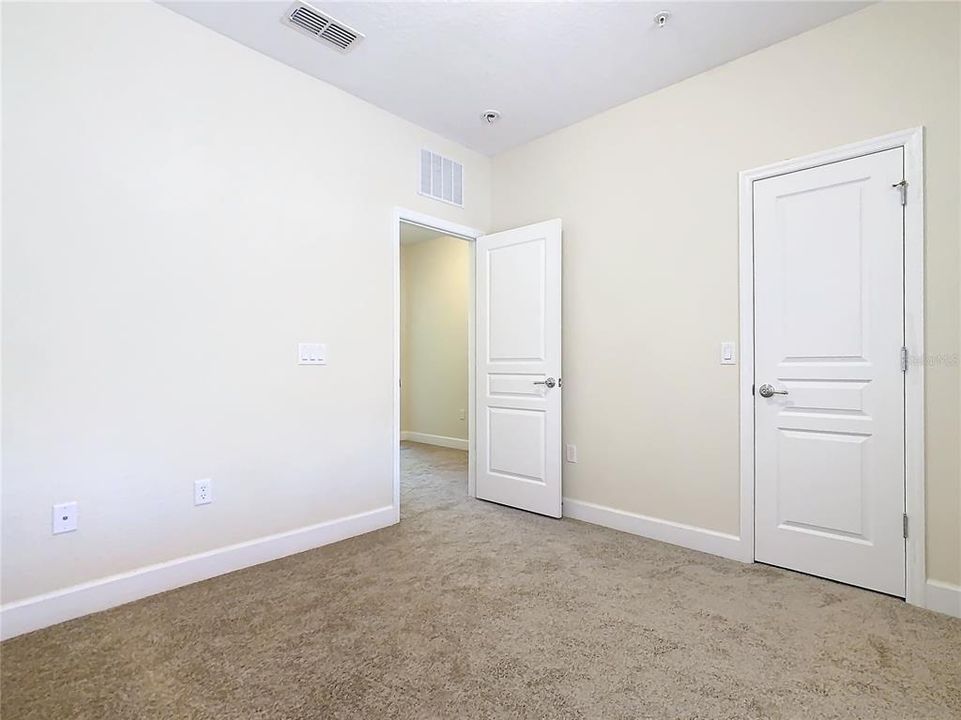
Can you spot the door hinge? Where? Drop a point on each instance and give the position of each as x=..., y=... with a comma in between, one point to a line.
x=903, y=189
x=904, y=524
x=904, y=359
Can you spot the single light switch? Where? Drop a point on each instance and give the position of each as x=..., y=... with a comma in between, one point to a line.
x=728, y=355
x=312, y=353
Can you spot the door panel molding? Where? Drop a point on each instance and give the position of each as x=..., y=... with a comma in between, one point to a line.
x=912, y=141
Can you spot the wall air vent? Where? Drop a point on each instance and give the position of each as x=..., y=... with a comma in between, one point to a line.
x=441, y=178
x=311, y=21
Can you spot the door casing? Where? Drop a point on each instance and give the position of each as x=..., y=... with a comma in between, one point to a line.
x=470, y=235
x=912, y=140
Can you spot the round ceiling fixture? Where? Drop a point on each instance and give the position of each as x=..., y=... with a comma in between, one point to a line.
x=490, y=116
x=661, y=18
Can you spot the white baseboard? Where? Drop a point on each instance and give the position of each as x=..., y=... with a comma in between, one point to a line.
x=51, y=608
x=688, y=536
x=943, y=597
x=939, y=596
x=443, y=441
x=42, y=611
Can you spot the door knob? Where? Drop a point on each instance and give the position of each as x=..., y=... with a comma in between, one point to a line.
x=768, y=390
x=550, y=382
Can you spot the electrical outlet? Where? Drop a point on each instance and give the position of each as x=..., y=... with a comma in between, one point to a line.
x=65, y=516
x=571, y=453
x=203, y=491
x=462, y=415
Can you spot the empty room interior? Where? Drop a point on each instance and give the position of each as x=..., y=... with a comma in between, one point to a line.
x=480, y=360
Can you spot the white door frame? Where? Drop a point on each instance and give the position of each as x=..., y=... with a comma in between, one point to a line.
x=467, y=233
x=912, y=140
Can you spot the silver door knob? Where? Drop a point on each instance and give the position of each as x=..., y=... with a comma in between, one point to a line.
x=768, y=390
x=550, y=382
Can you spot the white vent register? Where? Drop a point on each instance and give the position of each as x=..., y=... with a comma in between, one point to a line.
x=323, y=28
x=441, y=178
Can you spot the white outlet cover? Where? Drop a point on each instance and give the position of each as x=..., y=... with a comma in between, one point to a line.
x=203, y=491
x=65, y=517
x=571, y=453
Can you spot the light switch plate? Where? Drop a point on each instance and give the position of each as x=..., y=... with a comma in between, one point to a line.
x=570, y=453
x=728, y=353
x=312, y=353
x=65, y=516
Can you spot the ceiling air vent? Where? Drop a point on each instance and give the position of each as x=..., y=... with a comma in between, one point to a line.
x=441, y=178
x=311, y=21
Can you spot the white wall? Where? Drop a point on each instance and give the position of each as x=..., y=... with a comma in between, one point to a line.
x=177, y=217
x=179, y=212
x=435, y=293
x=648, y=195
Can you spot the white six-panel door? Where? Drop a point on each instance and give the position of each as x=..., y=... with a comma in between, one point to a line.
x=829, y=327
x=518, y=368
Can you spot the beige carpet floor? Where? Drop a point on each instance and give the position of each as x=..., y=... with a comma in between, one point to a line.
x=472, y=610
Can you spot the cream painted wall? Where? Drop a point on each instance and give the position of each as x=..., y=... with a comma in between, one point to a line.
x=150, y=317
x=179, y=212
x=648, y=195
x=435, y=292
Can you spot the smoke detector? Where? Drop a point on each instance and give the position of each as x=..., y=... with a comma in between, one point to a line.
x=660, y=20
x=490, y=116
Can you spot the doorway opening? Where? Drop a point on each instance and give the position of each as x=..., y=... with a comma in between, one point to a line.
x=513, y=361
x=433, y=357
x=435, y=271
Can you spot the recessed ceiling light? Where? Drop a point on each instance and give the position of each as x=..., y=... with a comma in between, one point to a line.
x=490, y=116
x=661, y=18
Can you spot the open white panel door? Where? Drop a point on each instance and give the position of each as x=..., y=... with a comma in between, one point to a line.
x=518, y=373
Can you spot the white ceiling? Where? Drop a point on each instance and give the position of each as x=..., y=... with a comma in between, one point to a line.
x=543, y=65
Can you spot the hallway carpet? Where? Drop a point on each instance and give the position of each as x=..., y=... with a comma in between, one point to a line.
x=472, y=610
